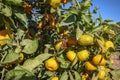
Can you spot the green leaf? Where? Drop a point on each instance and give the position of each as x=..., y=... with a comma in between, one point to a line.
x=77, y=76
x=19, y=13
x=15, y=2
x=79, y=32
x=74, y=62
x=117, y=41
x=30, y=46
x=49, y=73
x=5, y=10
x=115, y=74
x=18, y=49
x=100, y=44
x=70, y=19
x=78, y=4
x=94, y=77
x=71, y=76
x=73, y=11
x=10, y=57
x=43, y=57
x=108, y=20
x=86, y=18
x=52, y=10
x=70, y=12
x=12, y=22
x=60, y=52
x=110, y=32
x=63, y=63
x=96, y=29
x=19, y=74
x=65, y=23
x=30, y=64
x=115, y=25
x=20, y=33
x=64, y=76
x=86, y=3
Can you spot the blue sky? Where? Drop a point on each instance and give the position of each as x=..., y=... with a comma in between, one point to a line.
x=109, y=9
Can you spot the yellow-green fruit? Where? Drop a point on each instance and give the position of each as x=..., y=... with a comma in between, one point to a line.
x=55, y=78
x=109, y=44
x=71, y=55
x=85, y=40
x=54, y=3
x=98, y=60
x=83, y=55
x=104, y=50
x=3, y=35
x=58, y=45
x=51, y=64
x=101, y=74
x=21, y=57
x=66, y=33
x=90, y=66
x=85, y=76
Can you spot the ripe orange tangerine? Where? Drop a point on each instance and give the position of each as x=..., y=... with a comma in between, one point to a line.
x=85, y=40
x=90, y=66
x=3, y=35
x=58, y=45
x=101, y=74
x=51, y=64
x=109, y=44
x=71, y=55
x=99, y=60
x=83, y=55
x=55, y=78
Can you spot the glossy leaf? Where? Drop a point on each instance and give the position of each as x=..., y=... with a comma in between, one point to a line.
x=71, y=76
x=79, y=32
x=115, y=74
x=10, y=57
x=86, y=18
x=87, y=3
x=19, y=74
x=64, y=76
x=15, y=2
x=77, y=75
x=63, y=63
x=19, y=13
x=5, y=10
x=30, y=64
x=30, y=46
x=74, y=62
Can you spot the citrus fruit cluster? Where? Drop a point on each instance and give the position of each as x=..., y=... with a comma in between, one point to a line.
x=96, y=63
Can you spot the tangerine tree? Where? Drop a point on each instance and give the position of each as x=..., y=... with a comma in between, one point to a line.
x=43, y=40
